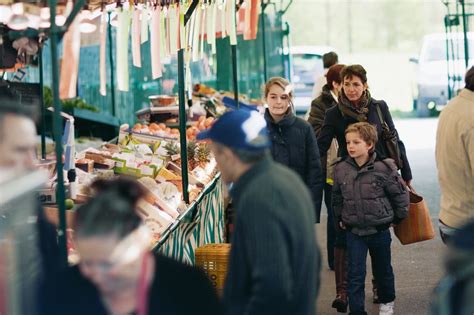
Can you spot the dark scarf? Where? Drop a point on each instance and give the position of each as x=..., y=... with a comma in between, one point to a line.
x=349, y=110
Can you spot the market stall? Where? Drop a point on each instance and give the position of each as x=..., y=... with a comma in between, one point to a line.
x=185, y=208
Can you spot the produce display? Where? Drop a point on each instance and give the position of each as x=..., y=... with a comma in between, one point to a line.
x=156, y=162
x=162, y=130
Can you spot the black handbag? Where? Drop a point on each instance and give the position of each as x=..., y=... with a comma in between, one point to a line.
x=391, y=140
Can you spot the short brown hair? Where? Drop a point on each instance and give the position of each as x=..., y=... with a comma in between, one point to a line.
x=366, y=131
x=354, y=70
x=281, y=82
x=469, y=79
x=334, y=75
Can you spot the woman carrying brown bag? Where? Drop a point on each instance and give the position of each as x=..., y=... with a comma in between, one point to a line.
x=355, y=104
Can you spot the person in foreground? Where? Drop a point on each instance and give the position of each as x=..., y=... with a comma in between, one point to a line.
x=368, y=196
x=117, y=274
x=455, y=160
x=274, y=261
x=454, y=293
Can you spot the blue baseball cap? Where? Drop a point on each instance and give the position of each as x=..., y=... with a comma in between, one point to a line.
x=239, y=129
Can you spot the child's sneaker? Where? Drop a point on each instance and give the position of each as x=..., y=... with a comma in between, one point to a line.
x=386, y=308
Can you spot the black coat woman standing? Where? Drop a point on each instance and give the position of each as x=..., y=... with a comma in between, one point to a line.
x=293, y=140
x=355, y=104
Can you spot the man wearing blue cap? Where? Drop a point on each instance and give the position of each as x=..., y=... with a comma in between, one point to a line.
x=274, y=260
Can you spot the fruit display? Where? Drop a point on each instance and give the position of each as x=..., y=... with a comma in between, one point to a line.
x=161, y=129
x=155, y=161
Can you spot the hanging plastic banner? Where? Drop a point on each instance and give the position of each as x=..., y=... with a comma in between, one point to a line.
x=231, y=22
x=144, y=24
x=102, y=58
x=188, y=76
x=212, y=31
x=182, y=28
x=196, y=37
x=164, y=44
x=253, y=14
x=155, y=40
x=209, y=9
x=136, y=29
x=202, y=33
x=223, y=17
x=123, y=34
x=167, y=33
x=247, y=16
x=70, y=61
x=174, y=27
x=190, y=31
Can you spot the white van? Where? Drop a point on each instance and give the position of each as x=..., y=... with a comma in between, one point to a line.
x=307, y=65
x=434, y=69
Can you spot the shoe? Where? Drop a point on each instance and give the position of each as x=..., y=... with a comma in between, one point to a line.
x=340, y=304
x=386, y=308
x=340, y=264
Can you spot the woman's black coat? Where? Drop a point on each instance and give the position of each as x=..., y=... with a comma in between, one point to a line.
x=335, y=125
x=294, y=145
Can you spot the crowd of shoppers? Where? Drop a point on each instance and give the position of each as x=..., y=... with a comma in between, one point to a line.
x=276, y=167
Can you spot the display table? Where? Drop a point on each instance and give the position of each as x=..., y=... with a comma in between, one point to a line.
x=203, y=223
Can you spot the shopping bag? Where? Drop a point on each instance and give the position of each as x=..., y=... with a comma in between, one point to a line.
x=417, y=226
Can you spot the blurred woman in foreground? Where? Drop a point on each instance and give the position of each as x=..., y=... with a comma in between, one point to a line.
x=117, y=274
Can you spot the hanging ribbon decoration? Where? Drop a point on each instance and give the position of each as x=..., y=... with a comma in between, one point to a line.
x=155, y=41
x=102, y=54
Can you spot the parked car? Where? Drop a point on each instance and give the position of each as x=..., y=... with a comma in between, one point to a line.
x=306, y=66
x=434, y=67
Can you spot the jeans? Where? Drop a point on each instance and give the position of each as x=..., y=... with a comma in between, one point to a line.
x=378, y=245
x=331, y=228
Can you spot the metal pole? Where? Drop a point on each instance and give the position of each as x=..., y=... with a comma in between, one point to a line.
x=182, y=126
x=464, y=25
x=182, y=111
x=57, y=127
x=112, y=66
x=43, y=109
x=235, y=74
x=264, y=42
x=446, y=23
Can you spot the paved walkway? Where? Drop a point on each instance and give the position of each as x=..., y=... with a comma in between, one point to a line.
x=418, y=268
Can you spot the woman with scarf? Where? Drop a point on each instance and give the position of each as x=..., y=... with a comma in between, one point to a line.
x=355, y=104
x=293, y=140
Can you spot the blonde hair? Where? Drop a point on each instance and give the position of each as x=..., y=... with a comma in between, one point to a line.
x=281, y=82
x=366, y=131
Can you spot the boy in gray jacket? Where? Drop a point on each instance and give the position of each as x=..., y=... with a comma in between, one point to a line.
x=368, y=197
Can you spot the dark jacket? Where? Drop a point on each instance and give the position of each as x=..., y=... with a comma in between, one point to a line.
x=319, y=106
x=176, y=289
x=368, y=199
x=454, y=293
x=335, y=124
x=274, y=261
x=294, y=145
